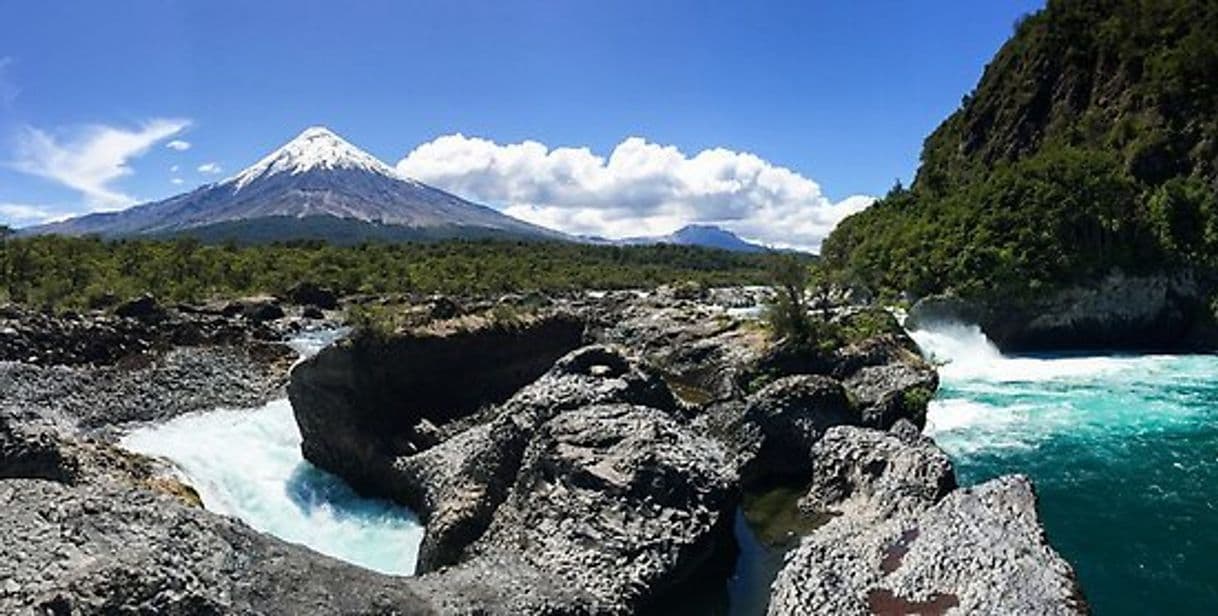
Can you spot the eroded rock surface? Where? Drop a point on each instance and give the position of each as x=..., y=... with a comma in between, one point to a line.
x=615, y=504
x=104, y=548
x=1166, y=310
x=362, y=405
x=552, y=477
x=903, y=539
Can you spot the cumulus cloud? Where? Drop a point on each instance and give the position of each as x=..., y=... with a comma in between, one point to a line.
x=91, y=159
x=210, y=168
x=22, y=213
x=175, y=181
x=178, y=145
x=641, y=188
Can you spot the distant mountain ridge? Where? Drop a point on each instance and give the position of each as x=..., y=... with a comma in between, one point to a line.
x=706, y=236
x=317, y=176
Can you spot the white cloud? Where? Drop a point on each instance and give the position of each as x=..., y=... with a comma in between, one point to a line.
x=212, y=168
x=22, y=213
x=178, y=145
x=175, y=181
x=8, y=89
x=90, y=160
x=174, y=168
x=641, y=188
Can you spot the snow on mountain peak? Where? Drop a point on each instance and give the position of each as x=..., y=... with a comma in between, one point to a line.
x=317, y=147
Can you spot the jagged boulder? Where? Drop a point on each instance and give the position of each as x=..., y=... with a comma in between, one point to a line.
x=888, y=393
x=858, y=470
x=703, y=352
x=104, y=548
x=258, y=309
x=311, y=294
x=788, y=417
x=978, y=550
x=615, y=505
x=456, y=484
x=142, y=307
x=361, y=404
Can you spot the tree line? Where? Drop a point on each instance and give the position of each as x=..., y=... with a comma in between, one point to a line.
x=75, y=273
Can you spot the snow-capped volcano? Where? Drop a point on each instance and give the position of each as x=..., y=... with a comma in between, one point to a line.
x=317, y=186
x=315, y=148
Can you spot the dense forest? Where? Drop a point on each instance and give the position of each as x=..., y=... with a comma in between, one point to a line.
x=1090, y=142
x=68, y=272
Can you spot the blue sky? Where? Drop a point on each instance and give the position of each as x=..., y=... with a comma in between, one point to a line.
x=839, y=93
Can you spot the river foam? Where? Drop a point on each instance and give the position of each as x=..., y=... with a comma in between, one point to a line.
x=246, y=463
x=1122, y=450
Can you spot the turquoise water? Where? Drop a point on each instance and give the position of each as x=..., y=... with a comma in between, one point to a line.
x=246, y=463
x=1123, y=451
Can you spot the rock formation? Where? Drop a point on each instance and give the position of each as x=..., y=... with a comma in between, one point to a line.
x=560, y=462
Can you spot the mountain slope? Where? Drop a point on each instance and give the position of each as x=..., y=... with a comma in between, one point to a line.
x=706, y=236
x=317, y=175
x=1091, y=142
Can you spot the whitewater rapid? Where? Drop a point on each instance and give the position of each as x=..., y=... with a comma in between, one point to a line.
x=1123, y=450
x=989, y=400
x=246, y=463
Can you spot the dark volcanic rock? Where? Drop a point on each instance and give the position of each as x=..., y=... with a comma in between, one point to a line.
x=142, y=307
x=1161, y=311
x=903, y=539
x=616, y=504
x=856, y=470
x=257, y=309
x=790, y=416
x=456, y=484
x=703, y=352
x=361, y=404
x=888, y=393
x=108, y=549
x=157, y=386
x=978, y=550
x=313, y=295
x=30, y=446
x=102, y=339
x=592, y=466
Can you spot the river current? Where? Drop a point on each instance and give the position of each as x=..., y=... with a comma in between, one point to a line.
x=1123, y=450
x=246, y=463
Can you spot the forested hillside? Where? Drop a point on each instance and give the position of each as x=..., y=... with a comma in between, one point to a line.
x=1090, y=142
x=68, y=272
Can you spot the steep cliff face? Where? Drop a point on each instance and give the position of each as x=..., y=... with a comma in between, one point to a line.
x=1090, y=143
x=1154, y=312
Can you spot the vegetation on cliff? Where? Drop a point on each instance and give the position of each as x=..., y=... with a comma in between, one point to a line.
x=1091, y=142
x=65, y=272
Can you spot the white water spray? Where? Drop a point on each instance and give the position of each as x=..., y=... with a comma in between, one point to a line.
x=247, y=464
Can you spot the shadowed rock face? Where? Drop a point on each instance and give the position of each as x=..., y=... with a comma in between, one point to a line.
x=360, y=406
x=1161, y=311
x=592, y=467
x=790, y=415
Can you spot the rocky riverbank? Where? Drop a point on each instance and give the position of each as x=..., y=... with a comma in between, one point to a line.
x=581, y=455
x=1159, y=312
